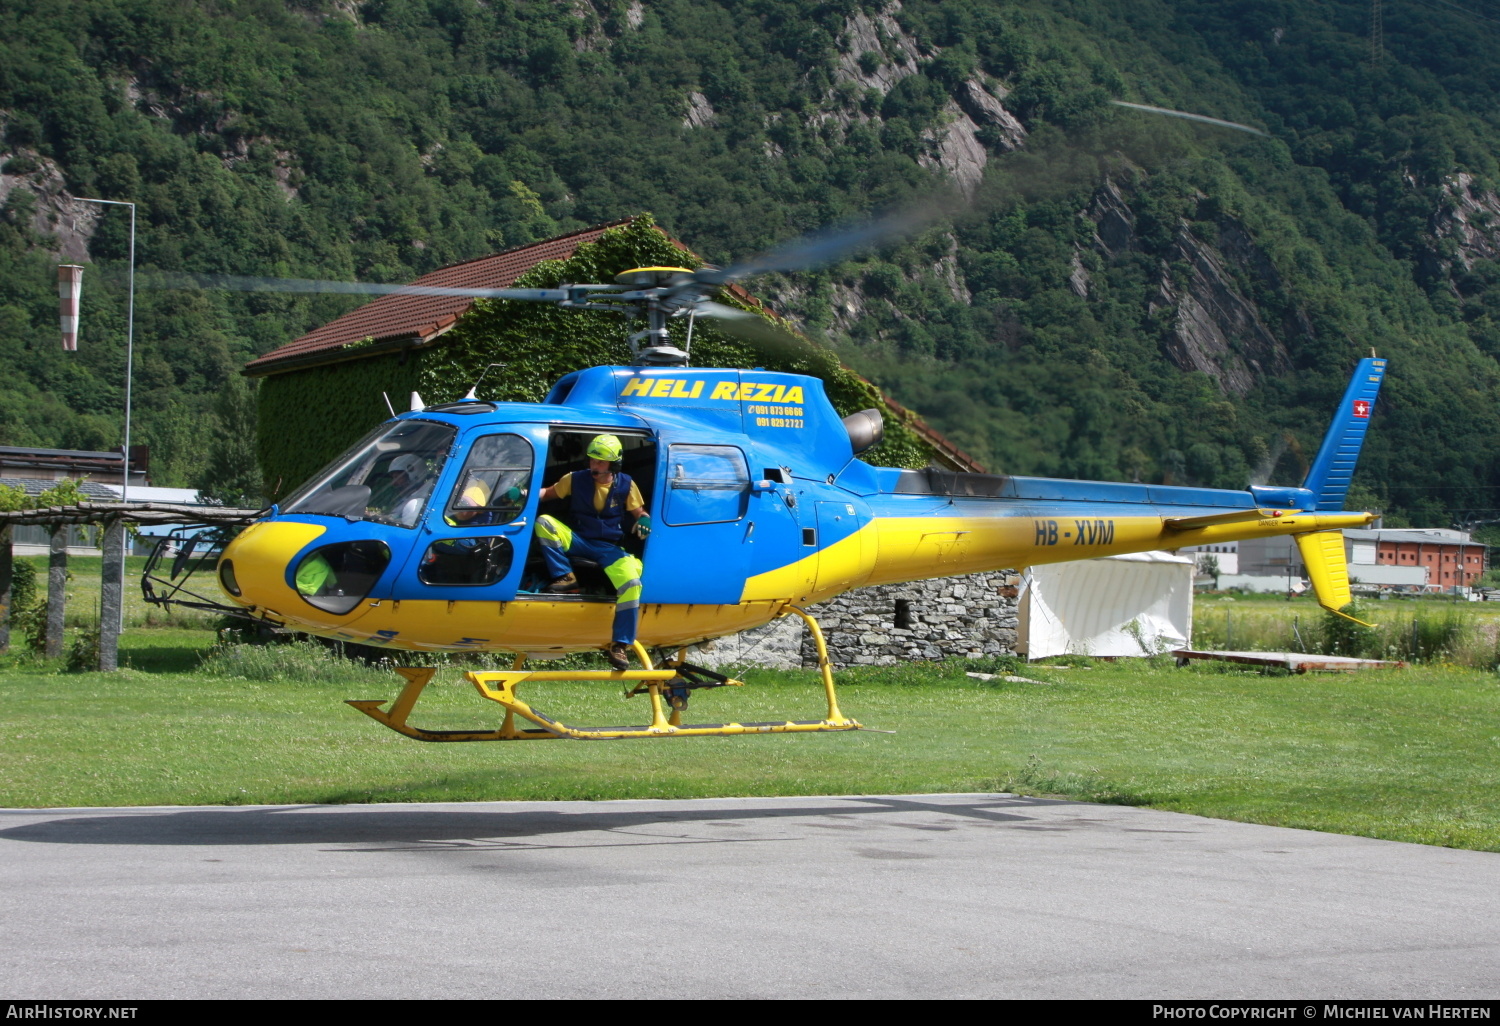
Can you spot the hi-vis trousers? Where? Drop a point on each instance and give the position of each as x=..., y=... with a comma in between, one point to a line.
x=559, y=541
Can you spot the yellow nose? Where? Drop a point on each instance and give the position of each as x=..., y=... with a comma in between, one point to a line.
x=259, y=557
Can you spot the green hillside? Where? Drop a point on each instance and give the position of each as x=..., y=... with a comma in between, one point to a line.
x=1117, y=295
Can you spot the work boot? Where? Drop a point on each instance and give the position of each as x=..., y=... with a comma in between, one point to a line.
x=618, y=655
x=567, y=584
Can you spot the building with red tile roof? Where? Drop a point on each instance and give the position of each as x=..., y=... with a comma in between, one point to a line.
x=398, y=320
x=401, y=322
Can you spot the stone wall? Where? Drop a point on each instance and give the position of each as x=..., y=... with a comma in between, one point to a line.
x=888, y=624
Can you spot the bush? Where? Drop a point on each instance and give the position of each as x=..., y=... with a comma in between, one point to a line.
x=22, y=584
x=83, y=654
x=28, y=609
x=1004, y=665
x=302, y=661
x=1346, y=637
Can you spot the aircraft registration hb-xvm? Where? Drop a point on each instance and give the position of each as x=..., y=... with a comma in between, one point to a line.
x=761, y=507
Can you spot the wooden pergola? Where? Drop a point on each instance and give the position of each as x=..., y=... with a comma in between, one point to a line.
x=112, y=518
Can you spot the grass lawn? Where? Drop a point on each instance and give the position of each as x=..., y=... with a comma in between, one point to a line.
x=1410, y=755
x=1412, y=629
x=82, y=592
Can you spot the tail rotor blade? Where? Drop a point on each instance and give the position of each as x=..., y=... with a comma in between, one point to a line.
x=1188, y=116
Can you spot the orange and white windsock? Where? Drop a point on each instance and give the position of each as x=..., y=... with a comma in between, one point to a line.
x=69, y=289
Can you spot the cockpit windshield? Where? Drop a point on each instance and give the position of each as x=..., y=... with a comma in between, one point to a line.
x=388, y=477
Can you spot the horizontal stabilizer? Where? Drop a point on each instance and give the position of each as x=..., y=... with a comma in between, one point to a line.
x=1239, y=516
x=1323, y=556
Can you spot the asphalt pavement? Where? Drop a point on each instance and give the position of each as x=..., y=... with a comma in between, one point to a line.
x=928, y=896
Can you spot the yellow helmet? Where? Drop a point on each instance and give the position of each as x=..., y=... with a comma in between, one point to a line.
x=477, y=494
x=606, y=447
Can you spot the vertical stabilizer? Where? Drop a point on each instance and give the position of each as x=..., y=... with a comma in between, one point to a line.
x=1328, y=478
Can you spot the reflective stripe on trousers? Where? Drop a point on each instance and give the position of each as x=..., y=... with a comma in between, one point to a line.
x=559, y=542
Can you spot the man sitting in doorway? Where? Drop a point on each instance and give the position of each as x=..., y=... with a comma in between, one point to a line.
x=599, y=499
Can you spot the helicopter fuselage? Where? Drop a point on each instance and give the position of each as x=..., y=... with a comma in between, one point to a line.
x=757, y=496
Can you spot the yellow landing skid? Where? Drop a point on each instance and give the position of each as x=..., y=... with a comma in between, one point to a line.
x=500, y=686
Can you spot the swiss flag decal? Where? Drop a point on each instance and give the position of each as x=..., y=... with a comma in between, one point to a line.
x=1361, y=407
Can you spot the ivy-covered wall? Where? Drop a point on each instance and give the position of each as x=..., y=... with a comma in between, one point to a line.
x=307, y=417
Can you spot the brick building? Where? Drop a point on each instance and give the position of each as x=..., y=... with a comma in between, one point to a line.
x=1450, y=557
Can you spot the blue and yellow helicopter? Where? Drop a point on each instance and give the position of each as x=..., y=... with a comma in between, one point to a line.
x=421, y=538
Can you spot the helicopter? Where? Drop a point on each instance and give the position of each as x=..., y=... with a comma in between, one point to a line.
x=761, y=505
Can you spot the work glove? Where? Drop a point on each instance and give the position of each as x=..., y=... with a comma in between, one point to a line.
x=513, y=495
x=643, y=525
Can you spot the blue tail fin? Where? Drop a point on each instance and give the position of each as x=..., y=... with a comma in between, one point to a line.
x=1328, y=478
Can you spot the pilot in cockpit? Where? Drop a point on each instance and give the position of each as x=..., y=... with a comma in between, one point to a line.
x=409, y=483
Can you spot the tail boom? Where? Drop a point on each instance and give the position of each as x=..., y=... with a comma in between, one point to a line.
x=917, y=548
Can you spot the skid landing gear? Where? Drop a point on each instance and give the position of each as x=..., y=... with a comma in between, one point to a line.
x=674, y=681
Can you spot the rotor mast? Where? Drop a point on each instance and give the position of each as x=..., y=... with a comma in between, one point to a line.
x=653, y=347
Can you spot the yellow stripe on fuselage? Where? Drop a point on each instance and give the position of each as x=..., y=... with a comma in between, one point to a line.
x=537, y=626
x=891, y=550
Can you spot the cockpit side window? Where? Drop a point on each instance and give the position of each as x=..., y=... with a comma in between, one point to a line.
x=387, y=478
x=706, y=484
x=492, y=488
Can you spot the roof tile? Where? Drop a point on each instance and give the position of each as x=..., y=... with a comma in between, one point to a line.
x=421, y=317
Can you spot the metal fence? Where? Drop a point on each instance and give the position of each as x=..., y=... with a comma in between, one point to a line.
x=83, y=536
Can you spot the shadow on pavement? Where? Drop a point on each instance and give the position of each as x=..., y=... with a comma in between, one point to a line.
x=349, y=824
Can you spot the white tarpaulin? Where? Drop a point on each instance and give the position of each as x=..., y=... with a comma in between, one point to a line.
x=1134, y=605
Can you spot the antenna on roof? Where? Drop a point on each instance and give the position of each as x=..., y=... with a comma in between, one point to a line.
x=387, y=398
x=469, y=396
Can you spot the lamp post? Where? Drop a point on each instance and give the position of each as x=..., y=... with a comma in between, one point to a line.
x=114, y=547
x=129, y=342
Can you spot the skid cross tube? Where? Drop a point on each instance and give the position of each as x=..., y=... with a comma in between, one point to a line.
x=500, y=686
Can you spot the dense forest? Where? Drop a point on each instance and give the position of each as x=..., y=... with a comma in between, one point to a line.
x=1098, y=291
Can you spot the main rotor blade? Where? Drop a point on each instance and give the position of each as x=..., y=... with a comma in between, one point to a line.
x=750, y=327
x=238, y=283
x=1191, y=117
x=828, y=247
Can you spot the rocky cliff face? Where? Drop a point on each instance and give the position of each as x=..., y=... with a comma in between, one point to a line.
x=876, y=54
x=1470, y=219
x=893, y=55
x=48, y=208
x=1204, y=293
x=1214, y=327
x=958, y=148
